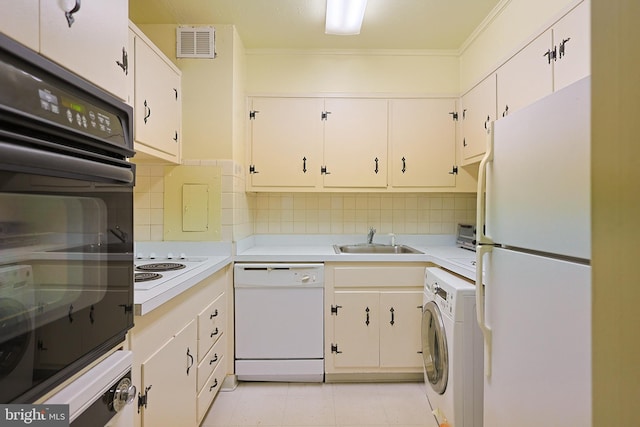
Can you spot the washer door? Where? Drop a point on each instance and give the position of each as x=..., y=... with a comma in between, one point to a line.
x=434, y=348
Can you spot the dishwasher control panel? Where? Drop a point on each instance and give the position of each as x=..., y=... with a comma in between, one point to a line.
x=278, y=274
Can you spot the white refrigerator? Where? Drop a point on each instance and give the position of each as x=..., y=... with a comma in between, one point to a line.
x=533, y=256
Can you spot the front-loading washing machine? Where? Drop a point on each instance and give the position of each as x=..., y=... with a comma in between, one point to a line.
x=452, y=349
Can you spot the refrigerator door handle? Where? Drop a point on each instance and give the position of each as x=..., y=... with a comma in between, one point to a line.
x=481, y=250
x=481, y=203
x=485, y=245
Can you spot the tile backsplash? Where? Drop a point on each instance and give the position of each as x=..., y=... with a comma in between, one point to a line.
x=348, y=213
x=244, y=214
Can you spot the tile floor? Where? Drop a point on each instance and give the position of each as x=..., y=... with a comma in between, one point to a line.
x=318, y=404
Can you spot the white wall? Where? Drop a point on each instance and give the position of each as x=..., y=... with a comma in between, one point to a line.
x=309, y=72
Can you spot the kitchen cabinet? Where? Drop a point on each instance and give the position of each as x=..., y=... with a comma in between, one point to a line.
x=168, y=379
x=571, y=35
x=286, y=142
x=355, y=143
x=526, y=77
x=157, y=101
x=180, y=351
x=478, y=111
x=88, y=38
x=372, y=321
x=20, y=21
x=422, y=135
x=318, y=143
x=554, y=59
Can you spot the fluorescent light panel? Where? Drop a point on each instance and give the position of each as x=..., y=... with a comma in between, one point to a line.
x=344, y=17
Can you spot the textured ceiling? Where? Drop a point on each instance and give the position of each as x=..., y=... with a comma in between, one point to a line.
x=299, y=24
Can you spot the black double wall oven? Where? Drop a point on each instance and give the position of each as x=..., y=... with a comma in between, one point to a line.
x=66, y=224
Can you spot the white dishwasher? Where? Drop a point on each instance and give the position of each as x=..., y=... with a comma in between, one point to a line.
x=279, y=322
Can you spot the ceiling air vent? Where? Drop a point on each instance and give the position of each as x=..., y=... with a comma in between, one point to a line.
x=196, y=42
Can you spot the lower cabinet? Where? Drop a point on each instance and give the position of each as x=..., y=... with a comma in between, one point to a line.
x=168, y=379
x=180, y=355
x=372, y=320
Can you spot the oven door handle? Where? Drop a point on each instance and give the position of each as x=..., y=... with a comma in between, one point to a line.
x=23, y=159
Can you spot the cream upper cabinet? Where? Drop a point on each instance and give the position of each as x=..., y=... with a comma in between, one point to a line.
x=19, y=20
x=157, y=102
x=527, y=76
x=286, y=142
x=478, y=111
x=89, y=38
x=422, y=135
x=571, y=36
x=169, y=381
x=355, y=143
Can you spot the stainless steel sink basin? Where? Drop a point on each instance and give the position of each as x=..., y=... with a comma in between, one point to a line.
x=365, y=248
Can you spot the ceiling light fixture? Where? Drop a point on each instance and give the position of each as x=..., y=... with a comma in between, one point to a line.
x=344, y=17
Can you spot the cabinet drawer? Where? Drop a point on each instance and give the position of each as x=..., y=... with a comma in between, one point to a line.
x=211, y=325
x=209, y=391
x=367, y=276
x=210, y=362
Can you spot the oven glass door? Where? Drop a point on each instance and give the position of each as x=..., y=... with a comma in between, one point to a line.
x=66, y=276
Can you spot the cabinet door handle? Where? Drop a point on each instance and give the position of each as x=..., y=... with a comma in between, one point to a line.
x=367, y=320
x=125, y=62
x=214, y=385
x=147, y=111
x=214, y=360
x=175, y=137
x=323, y=171
x=506, y=111
x=562, y=51
x=376, y=169
x=214, y=333
x=486, y=123
x=214, y=314
x=404, y=165
x=69, y=14
x=190, y=356
x=304, y=165
x=392, y=311
x=176, y=91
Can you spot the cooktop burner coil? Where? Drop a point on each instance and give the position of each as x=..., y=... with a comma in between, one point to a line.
x=161, y=266
x=145, y=277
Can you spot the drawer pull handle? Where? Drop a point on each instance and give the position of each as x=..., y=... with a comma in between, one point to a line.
x=214, y=360
x=69, y=14
x=214, y=385
x=214, y=333
x=214, y=314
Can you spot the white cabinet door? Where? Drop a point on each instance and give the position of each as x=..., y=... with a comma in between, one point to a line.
x=19, y=20
x=169, y=381
x=356, y=330
x=286, y=142
x=401, y=314
x=94, y=45
x=526, y=77
x=355, y=143
x=571, y=36
x=157, y=103
x=478, y=110
x=422, y=136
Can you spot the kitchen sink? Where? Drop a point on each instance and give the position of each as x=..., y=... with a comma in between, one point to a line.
x=365, y=248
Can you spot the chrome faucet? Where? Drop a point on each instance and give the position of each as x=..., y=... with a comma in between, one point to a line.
x=372, y=231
